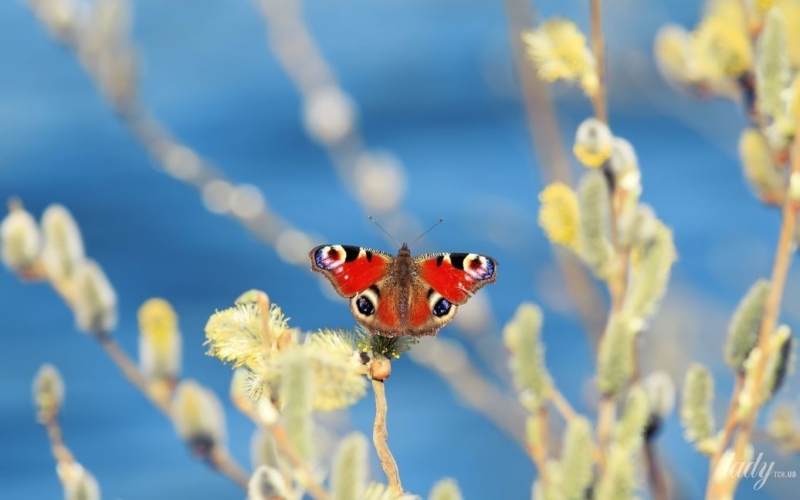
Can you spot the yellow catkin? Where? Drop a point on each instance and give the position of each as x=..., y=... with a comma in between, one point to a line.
x=559, y=52
x=160, y=341
x=559, y=215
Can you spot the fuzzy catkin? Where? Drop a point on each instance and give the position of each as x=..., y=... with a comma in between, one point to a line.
x=445, y=489
x=593, y=229
x=744, y=327
x=772, y=64
x=615, y=357
x=696, y=405
x=297, y=396
x=350, y=468
x=576, y=462
x=522, y=337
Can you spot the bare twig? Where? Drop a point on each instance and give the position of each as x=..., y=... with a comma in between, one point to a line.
x=598, y=48
x=380, y=436
x=656, y=477
x=222, y=462
x=538, y=447
x=561, y=405
x=606, y=414
x=61, y=453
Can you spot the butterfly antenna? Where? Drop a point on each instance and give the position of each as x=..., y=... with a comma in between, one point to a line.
x=384, y=231
x=428, y=231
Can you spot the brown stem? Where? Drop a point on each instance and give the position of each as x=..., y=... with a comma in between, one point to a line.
x=61, y=453
x=598, y=47
x=606, y=415
x=221, y=461
x=538, y=449
x=380, y=436
x=731, y=422
x=658, y=482
x=561, y=405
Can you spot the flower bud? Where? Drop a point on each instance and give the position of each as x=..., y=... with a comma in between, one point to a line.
x=696, y=405
x=198, y=418
x=522, y=336
x=673, y=48
x=638, y=226
x=20, y=242
x=559, y=215
x=660, y=392
x=624, y=165
x=350, y=469
x=48, y=392
x=94, y=300
x=63, y=246
x=159, y=341
x=772, y=65
x=445, y=489
x=593, y=143
x=81, y=485
x=744, y=327
x=267, y=483
x=759, y=167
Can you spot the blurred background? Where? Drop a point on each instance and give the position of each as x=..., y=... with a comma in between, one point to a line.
x=434, y=97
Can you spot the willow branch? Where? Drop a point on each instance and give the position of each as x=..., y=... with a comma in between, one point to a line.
x=548, y=145
x=221, y=461
x=62, y=455
x=783, y=258
x=561, y=405
x=538, y=447
x=655, y=476
x=380, y=436
x=598, y=48
x=606, y=414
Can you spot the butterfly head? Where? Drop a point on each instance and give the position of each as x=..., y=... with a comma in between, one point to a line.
x=404, y=251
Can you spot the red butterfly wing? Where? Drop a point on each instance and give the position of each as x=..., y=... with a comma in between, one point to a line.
x=456, y=276
x=350, y=269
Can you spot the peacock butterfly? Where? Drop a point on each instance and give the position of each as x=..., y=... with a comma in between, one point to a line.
x=403, y=295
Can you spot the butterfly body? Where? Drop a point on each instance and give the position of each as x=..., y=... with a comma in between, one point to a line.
x=403, y=295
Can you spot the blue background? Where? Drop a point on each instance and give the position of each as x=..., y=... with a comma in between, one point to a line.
x=434, y=83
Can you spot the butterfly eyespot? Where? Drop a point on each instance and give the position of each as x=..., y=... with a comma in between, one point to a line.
x=365, y=306
x=441, y=307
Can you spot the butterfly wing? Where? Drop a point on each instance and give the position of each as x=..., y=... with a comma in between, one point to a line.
x=456, y=276
x=350, y=269
x=443, y=282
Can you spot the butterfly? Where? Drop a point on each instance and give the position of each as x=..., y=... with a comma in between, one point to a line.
x=403, y=295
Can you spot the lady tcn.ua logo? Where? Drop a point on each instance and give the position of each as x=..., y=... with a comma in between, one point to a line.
x=760, y=470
